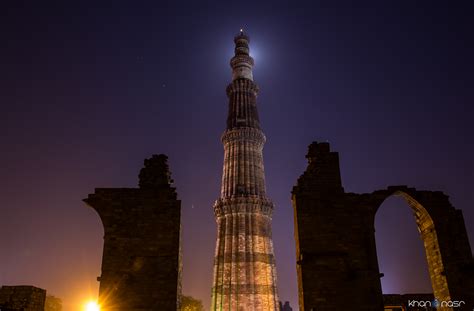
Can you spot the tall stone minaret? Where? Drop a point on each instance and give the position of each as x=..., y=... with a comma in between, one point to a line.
x=244, y=264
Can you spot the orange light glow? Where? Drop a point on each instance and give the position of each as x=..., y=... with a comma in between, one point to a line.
x=92, y=306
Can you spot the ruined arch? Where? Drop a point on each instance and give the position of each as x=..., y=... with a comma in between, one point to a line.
x=428, y=235
x=337, y=263
x=443, y=232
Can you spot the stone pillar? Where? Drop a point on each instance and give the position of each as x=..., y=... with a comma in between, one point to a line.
x=141, y=267
x=335, y=243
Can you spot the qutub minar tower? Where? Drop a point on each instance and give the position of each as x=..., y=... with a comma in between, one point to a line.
x=244, y=265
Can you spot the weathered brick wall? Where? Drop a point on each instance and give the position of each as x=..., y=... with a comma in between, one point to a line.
x=141, y=259
x=334, y=244
x=335, y=241
x=22, y=298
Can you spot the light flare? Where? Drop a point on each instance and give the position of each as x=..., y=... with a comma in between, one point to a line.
x=92, y=306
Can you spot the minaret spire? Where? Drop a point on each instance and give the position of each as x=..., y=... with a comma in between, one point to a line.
x=242, y=63
x=244, y=265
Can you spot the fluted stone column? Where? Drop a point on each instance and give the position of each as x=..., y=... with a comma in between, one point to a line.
x=244, y=265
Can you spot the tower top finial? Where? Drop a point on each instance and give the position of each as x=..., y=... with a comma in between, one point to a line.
x=242, y=62
x=241, y=36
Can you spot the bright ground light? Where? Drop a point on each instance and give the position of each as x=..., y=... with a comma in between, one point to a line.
x=92, y=306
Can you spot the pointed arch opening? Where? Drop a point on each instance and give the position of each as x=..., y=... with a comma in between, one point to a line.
x=427, y=233
x=400, y=250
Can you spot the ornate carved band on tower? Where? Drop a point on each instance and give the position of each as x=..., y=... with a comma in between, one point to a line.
x=244, y=265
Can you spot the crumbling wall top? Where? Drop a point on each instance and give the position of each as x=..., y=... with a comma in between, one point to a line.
x=156, y=173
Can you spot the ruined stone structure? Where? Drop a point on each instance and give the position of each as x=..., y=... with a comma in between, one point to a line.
x=22, y=298
x=53, y=303
x=141, y=264
x=335, y=241
x=244, y=264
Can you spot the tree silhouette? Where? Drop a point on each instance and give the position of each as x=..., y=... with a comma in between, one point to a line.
x=189, y=303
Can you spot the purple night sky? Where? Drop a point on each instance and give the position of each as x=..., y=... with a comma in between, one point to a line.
x=88, y=91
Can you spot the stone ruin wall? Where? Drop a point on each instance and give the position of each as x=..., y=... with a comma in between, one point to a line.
x=335, y=240
x=22, y=298
x=141, y=263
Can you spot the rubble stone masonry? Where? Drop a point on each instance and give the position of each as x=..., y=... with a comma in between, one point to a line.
x=141, y=267
x=335, y=241
x=22, y=298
